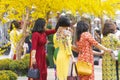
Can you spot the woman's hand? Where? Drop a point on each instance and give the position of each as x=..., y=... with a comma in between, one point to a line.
x=73, y=60
x=101, y=53
x=74, y=48
x=33, y=61
x=111, y=53
x=109, y=50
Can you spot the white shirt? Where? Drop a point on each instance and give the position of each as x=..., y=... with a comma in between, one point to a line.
x=117, y=34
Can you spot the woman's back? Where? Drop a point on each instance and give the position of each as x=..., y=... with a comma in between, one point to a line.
x=64, y=40
x=110, y=41
x=108, y=63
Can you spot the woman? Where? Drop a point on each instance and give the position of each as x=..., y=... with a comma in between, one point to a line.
x=63, y=42
x=84, y=43
x=38, y=53
x=15, y=36
x=111, y=41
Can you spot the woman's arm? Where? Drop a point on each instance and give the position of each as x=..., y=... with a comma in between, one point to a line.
x=92, y=41
x=52, y=31
x=33, y=60
x=74, y=48
x=35, y=39
x=101, y=47
x=98, y=53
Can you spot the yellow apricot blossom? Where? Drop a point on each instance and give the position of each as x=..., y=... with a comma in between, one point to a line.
x=15, y=9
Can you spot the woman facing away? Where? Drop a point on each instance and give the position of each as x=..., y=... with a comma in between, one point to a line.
x=38, y=53
x=84, y=43
x=110, y=40
x=63, y=41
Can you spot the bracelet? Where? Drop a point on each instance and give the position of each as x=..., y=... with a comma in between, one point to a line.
x=33, y=56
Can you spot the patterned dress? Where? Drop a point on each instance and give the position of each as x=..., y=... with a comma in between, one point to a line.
x=85, y=45
x=63, y=41
x=15, y=36
x=109, y=64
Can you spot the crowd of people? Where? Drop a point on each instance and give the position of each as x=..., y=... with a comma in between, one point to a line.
x=61, y=44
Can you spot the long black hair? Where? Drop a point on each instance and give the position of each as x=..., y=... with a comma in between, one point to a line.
x=63, y=21
x=57, y=26
x=81, y=27
x=39, y=25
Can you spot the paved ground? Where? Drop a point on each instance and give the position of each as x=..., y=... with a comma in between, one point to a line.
x=4, y=56
x=98, y=72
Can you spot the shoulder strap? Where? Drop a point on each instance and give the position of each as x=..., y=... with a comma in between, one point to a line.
x=71, y=74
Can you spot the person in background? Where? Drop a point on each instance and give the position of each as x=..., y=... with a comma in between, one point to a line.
x=84, y=44
x=110, y=40
x=63, y=41
x=38, y=52
x=15, y=36
x=50, y=48
x=28, y=43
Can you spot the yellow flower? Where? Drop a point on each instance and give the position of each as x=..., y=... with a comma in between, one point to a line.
x=16, y=9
